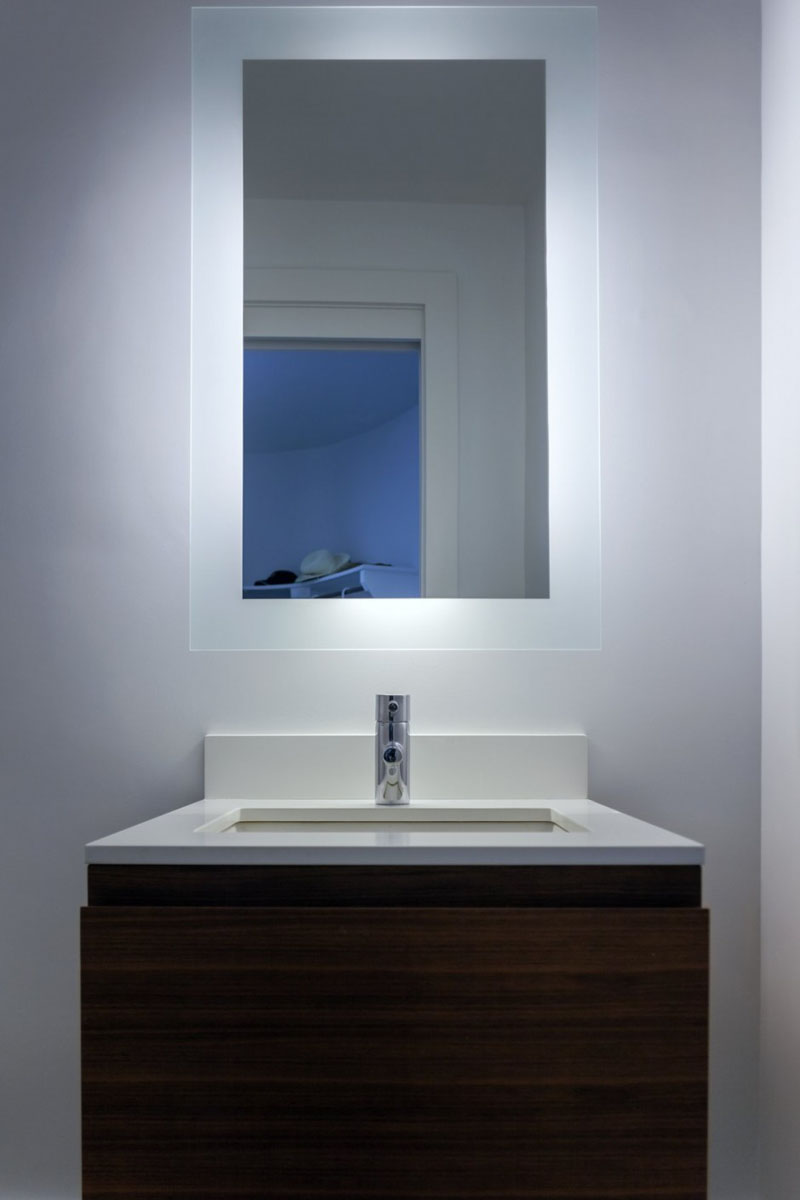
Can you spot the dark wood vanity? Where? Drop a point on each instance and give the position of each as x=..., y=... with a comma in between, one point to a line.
x=394, y=1033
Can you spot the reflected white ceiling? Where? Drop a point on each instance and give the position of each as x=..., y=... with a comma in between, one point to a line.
x=460, y=131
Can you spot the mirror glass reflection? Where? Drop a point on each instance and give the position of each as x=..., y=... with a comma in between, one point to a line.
x=394, y=166
x=331, y=479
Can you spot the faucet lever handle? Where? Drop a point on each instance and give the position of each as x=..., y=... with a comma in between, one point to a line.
x=391, y=707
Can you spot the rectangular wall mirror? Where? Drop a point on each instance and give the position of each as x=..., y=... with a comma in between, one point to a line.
x=394, y=342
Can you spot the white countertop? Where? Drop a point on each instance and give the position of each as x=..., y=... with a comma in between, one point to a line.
x=607, y=837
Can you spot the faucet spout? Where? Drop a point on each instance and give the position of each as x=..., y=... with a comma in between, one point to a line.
x=392, y=746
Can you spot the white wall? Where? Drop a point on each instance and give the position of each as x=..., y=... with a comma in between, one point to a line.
x=780, y=1080
x=104, y=706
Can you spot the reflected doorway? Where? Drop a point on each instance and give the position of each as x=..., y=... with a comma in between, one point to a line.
x=331, y=481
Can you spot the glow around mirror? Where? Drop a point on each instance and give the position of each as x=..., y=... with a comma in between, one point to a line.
x=222, y=40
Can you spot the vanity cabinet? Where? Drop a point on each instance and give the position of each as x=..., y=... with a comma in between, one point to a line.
x=394, y=1033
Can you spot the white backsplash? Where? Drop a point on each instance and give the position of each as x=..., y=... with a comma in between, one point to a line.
x=339, y=768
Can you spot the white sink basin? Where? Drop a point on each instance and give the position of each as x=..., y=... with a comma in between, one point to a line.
x=430, y=817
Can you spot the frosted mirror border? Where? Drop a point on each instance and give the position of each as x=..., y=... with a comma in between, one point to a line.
x=565, y=39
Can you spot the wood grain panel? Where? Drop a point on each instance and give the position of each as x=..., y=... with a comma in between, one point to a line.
x=394, y=1054
x=459, y=886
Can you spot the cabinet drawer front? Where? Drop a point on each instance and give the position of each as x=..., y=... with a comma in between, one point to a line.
x=373, y=1053
x=359, y=886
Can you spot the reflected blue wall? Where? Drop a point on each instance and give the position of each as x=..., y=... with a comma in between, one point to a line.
x=358, y=491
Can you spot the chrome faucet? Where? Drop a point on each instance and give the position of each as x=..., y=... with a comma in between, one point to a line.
x=392, y=750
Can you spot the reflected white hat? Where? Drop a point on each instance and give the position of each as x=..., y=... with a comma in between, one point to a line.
x=321, y=562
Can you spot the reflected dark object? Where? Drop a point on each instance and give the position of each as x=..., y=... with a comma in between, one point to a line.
x=278, y=577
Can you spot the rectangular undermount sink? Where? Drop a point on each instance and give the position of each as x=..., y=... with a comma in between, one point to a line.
x=428, y=817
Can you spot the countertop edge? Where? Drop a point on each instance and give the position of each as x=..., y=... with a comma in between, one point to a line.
x=398, y=855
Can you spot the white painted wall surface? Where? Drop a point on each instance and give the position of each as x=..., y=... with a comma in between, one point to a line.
x=780, y=928
x=104, y=707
